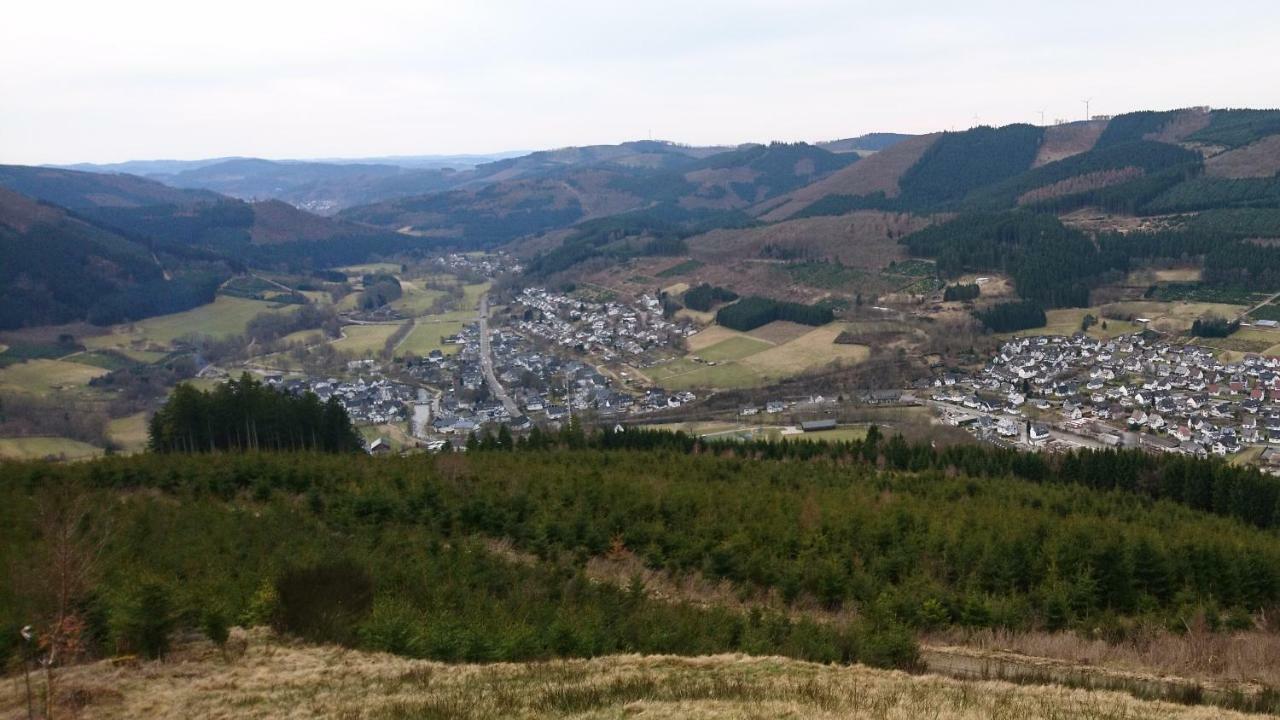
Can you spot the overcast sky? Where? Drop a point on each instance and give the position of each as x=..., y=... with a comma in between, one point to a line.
x=105, y=81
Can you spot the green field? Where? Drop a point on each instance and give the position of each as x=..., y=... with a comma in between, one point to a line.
x=684, y=373
x=104, y=360
x=426, y=337
x=129, y=432
x=733, y=349
x=38, y=448
x=224, y=317
x=41, y=377
x=361, y=339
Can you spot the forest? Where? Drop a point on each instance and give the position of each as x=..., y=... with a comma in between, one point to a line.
x=961, y=291
x=704, y=297
x=1012, y=316
x=398, y=554
x=751, y=312
x=243, y=415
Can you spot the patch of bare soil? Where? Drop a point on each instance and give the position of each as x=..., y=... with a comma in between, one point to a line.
x=865, y=239
x=1183, y=124
x=876, y=173
x=1095, y=220
x=1080, y=183
x=1063, y=141
x=1258, y=159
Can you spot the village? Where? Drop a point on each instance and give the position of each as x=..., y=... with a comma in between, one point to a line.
x=1129, y=391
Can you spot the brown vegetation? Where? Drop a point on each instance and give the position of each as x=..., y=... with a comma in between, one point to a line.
x=1259, y=159
x=280, y=678
x=1080, y=183
x=1063, y=141
x=877, y=173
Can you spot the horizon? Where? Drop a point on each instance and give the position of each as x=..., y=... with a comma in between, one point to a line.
x=287, y=81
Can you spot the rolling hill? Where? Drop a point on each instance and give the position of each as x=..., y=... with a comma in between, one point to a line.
x=60, y=267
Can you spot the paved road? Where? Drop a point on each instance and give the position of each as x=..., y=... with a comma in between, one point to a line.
x=486, y=361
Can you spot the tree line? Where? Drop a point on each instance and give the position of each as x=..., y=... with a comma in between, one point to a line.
x=245, y=415
x=751, y=312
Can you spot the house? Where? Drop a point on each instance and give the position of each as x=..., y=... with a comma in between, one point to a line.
x=1039, y=433
x=774, y=406
x=380, y=446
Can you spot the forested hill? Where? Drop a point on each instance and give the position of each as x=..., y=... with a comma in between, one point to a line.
x=108, y=248
x=489, y=555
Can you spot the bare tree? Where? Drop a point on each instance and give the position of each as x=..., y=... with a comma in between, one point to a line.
x=72, y=537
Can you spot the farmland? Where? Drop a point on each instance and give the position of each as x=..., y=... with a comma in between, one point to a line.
x=729, y=359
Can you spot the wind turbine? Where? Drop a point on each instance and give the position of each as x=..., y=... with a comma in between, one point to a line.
x=1041, y=117
x=1086, y=108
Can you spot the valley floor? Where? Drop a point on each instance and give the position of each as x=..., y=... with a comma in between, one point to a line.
x=266, y=677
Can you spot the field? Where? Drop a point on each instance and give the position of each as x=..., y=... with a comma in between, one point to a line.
x=36, y=448
x=366, y=268
x=44, y=376
x=129, y=432
x=1066, y=321
x=771, y=352
x=224, y=317
x=361, y=339
x=268, y=677
x=734, y=348
x=416, y=299
x=426, y=337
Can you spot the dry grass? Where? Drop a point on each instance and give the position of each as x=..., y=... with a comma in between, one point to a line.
x=273, y=678
x=39, y=448
x=812, y=350
x=1208, y=657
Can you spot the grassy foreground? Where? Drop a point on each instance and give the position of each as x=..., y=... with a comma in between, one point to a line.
x=267, y=677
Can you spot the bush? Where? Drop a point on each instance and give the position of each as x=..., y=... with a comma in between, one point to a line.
x=888, y=645
x=216, y=627
x=325, y=602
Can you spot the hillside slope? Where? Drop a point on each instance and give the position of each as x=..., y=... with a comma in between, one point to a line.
x=59, y=267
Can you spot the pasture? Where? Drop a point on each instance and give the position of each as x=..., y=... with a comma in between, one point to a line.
x=224, y=317
x=39, y=448
x=773, y=352
x=362, y=339
x=43, y=376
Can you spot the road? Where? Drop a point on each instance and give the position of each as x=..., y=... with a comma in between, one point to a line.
x=486, y=361
x=1270, y=299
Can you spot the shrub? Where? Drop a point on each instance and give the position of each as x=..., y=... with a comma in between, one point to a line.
x=324, y=602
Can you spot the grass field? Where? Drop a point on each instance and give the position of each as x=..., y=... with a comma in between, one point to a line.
x=354, y=271
x=274, y=678
x=426, y=337
x=733, y=348
x=223, y=317
x=41, y=377
x=744, y=360
x=812, y=350
x=129, y=432
x=416, y=299
x=360, y=339
x=38, y=448
x=1066, y=321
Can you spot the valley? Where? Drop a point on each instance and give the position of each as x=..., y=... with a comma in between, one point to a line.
x=888, y=426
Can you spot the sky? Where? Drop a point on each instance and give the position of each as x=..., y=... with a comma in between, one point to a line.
x=94, y=81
